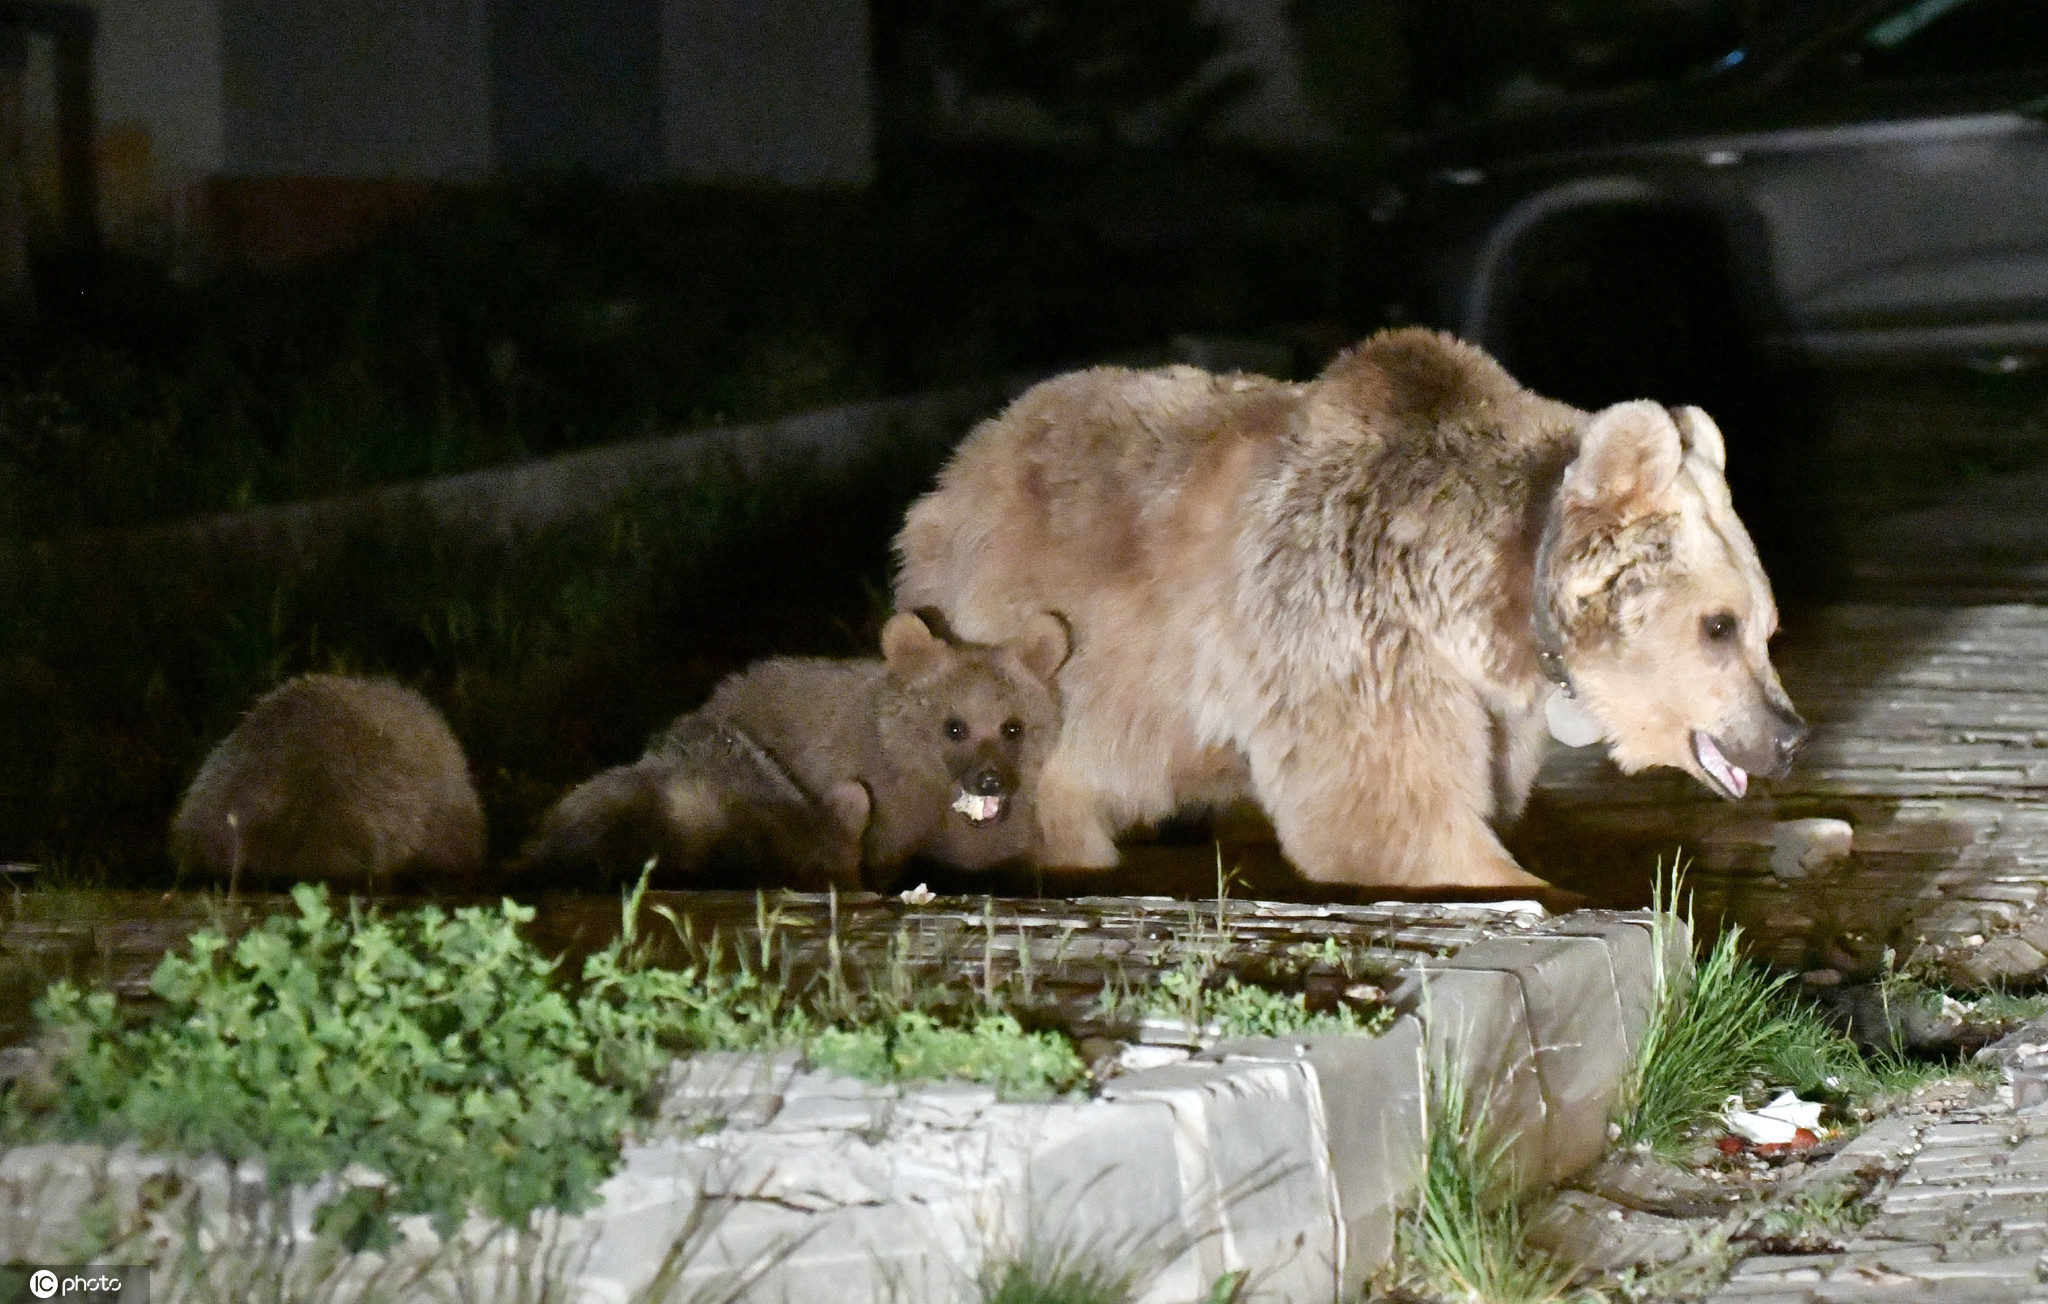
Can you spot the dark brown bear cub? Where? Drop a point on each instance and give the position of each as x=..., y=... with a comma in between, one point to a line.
x=943, y=741
x=355, y=781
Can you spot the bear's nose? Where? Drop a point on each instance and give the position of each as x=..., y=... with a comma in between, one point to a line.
x=1792, y=734
x=986, y=784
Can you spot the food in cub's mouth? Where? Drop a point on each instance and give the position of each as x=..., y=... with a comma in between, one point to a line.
x=978, y=810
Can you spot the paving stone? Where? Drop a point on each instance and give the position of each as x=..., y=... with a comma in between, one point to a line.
x=945, y=1105
x=1604, y=1236
x=735, y=1087
x=827, y=1101
x=2002, y=959
x=1644, y=1182
x=1635, y=966
x=1107, y=1180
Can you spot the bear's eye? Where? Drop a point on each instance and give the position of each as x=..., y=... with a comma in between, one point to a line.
x=1719, y=627
x=956, y=728
x=1013, y=729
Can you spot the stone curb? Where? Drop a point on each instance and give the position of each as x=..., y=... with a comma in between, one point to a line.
x=1287, y=1159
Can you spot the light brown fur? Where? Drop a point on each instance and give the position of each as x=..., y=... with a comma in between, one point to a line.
x=1321, y=597
x=335, y=778
x=823, y=731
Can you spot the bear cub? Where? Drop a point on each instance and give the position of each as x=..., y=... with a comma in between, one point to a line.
x=332, y=777
x=812, y=772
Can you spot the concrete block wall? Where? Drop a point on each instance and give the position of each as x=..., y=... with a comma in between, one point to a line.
x=1289, y=1159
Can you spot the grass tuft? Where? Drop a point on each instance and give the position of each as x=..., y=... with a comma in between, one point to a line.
x=1466, y=1239
x=1725, y=1028
x=1023, y=1281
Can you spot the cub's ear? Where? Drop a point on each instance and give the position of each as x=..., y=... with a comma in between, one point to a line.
x=1701, y=437
x=908, y=645
x=850, y=805
x=1628, y=460
x=1043, y=646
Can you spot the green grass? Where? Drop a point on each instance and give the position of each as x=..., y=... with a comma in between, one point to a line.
x=1466, y=1237
x=442, y=1051
x=915, y=1047
x=1729, y=1027
x=1726, y=1027
x=1069, y=1279
x=1198, y=991
x=1024, y=1282
x=1814, y=1220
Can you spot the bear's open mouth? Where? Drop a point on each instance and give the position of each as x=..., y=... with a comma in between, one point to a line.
x=1728, y=778
x=979, y=810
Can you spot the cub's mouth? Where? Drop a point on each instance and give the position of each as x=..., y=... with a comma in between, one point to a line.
x=980, y=810
x=1724, y=776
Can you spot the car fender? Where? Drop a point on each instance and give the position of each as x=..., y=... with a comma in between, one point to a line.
x=1478, y=296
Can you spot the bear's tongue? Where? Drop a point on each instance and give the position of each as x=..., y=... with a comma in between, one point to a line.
x=978, y=810
x=1731, y=778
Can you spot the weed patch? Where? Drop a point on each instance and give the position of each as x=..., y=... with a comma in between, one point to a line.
x=914, y=1047
x=1726, y=1028
x=1812, y=1221
x=436, y=1049
x=1202, y=994
x=445, y=1054
x=1466, y=1237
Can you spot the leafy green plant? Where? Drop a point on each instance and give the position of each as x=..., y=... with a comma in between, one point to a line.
x=436, y=1049
x=1236, y=1009
x=915, y=1047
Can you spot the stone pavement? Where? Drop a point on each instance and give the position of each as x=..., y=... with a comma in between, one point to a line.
x=1962, y=1215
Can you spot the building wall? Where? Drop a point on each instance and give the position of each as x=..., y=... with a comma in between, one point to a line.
x=158, y=82
x=772, y=91
x=203, y=102
x=576, y=88
x=368, y=89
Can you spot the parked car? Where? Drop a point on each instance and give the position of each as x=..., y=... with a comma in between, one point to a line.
x=1866, y=181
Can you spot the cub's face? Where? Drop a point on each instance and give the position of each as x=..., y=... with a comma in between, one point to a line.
x=979, y=720
x=1665, y=613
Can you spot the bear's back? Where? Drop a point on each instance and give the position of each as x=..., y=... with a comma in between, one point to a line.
x=332, y=776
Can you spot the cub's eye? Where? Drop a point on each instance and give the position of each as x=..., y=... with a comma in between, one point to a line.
x=956, y=728
x=1719, y=627
x=1013, y=729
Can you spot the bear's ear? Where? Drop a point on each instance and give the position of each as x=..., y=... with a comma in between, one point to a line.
x=1043, y=646
x=1701, y=437
x=1628, y=460
x=908, y=645
x=850, y=805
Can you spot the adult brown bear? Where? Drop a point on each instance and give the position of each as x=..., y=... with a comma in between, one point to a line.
x=1353, y=599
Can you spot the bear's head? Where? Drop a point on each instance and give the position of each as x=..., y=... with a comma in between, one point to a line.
x=977, y=721
x=1650, y=589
